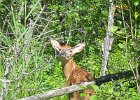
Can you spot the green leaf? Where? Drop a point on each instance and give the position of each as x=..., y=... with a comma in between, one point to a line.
x=136, y=3
x=117, y=94
x=82, y=87
x=110, y=90
x=113, y=29
x=121, y=45
x=94, y=97
x=82, y=94
x=95, y=87
x=136, y=15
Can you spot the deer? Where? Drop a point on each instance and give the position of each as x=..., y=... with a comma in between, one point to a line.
x=73, y=73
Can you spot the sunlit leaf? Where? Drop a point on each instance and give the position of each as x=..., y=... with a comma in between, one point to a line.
x=121, y=45
x=136, y=3
x=95, y=87
x=113, y=29
x=110, y=90
x=94, y=97
x=136, y=15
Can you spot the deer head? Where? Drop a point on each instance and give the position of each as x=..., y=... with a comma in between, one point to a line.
x=66, y=52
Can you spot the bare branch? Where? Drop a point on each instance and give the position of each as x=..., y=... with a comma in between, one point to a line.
x=4, y=82
x=58, y=92
x=73, y=88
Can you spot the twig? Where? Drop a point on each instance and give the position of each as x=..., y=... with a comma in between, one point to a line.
x=4, y=82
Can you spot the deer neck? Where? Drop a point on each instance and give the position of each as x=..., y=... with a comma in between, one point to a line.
x=68, y=67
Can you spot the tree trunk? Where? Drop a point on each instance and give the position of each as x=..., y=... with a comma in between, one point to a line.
x=108, y=40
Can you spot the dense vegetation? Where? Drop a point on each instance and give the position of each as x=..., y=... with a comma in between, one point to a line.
x=28, y=63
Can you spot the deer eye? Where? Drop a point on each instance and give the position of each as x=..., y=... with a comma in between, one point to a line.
x=70, y=51
x=60, y=49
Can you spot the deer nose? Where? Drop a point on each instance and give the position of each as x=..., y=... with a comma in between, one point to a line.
x=63, y=54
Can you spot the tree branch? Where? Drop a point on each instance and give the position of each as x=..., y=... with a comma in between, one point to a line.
x=4, y=81
x=58, y=92
x=73, y=88
x=116, y=76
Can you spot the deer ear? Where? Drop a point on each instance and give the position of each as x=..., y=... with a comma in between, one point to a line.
x=55, y=44
x=78, y=48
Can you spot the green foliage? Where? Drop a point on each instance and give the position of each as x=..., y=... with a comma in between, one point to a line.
x=26, y=27
x=113, y=29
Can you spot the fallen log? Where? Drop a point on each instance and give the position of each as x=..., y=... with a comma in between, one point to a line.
x=70, y=89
